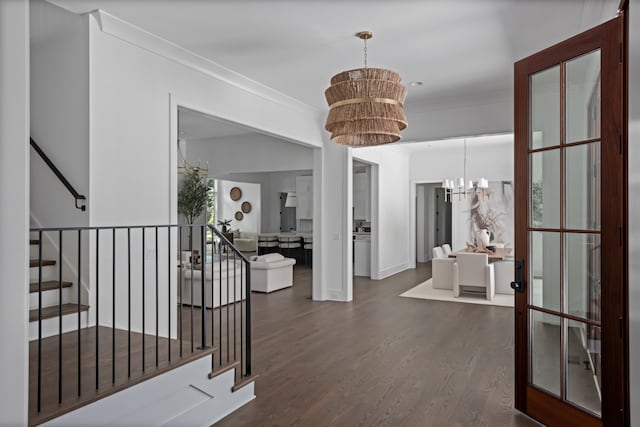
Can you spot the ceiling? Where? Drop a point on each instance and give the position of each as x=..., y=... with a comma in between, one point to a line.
x=462, y=50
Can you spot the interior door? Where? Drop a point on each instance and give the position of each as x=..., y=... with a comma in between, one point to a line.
x=570, y=334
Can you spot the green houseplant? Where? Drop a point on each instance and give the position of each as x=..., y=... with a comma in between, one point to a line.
x=224, y=224
x=193, y=197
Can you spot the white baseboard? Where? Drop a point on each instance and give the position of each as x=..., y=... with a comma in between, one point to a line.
x=390, y=271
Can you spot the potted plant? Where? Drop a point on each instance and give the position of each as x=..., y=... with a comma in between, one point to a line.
x=193, y=197
x=224, y=224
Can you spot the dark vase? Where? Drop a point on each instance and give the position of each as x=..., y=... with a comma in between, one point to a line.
x=224, y=228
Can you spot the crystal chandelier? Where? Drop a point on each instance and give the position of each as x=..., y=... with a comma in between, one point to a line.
x=457, y=187
x=365, y=105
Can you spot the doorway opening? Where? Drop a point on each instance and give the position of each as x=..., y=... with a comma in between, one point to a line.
x=433, y=220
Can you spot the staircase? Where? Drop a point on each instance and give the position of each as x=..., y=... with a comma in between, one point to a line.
x=58, y=299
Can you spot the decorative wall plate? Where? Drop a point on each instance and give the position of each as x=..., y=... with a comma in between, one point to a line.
x=246, y=207
x=235, y=194
x=239, y=215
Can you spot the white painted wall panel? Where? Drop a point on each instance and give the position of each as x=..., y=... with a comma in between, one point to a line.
x=59, y=113
x=14, y=215
x=393, y=219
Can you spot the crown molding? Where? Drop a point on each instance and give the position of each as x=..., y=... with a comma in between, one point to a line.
x=150, y=42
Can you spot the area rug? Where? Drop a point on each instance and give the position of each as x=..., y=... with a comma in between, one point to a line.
x=425, y=291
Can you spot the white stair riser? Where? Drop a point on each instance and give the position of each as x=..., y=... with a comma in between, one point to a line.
x=50, y=326
x=49, y=272
x=33, y=251
x=51, y=298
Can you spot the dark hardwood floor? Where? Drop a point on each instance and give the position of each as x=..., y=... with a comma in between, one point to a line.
x=379, y=360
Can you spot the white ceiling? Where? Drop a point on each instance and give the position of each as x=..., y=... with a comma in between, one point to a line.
x=463, y=50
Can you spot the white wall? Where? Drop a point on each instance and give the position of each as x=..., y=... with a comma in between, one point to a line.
x=227, y=208
x=14, y=190
x=421, y=223
x=393, y=221
x=248, y=153
x=634, y=209
x=59, y=113
x=490, y=157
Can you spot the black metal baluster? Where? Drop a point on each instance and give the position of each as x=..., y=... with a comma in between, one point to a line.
x=143, y=297
x=128, y=302
x=203, y=273
x=180, y=290
x=248, y=321
x=113, y=309
x=213, y=296
x=39, y=319
x=234, y=307
x=97, y=308
x=169, y=291
x=79, y=298
x=226, y=306
x=241, y=318
x=60, y=317
x=192, y=260
x=224, y=244
x=156, y=251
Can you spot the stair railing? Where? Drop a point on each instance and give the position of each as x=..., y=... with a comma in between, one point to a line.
x=146, y=317
x=78, y=197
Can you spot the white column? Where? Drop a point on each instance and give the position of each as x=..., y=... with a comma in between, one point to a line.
x=14, y=210
x=332, y=222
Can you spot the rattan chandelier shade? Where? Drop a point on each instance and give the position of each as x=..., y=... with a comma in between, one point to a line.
x=366, y=106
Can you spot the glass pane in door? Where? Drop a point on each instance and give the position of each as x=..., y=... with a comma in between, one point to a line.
x=582, y=275
x=545, y=189
x=582, y=187
x=544, y=262
x=545, y=351
x=545, y=108
x=582, y=97
x=583, y=366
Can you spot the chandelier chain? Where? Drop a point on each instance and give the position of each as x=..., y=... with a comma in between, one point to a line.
x=365, y=53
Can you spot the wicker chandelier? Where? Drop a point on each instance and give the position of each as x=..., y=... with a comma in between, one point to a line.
x=365, y=105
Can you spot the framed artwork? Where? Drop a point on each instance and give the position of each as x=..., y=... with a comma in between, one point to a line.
x=239, y=215
x=246, y=207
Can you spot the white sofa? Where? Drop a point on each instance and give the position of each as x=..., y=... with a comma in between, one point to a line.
x=271, y=272
x=220, y=287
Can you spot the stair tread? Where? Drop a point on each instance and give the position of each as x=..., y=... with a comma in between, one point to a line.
x=48, y=285
x=243, y=382
x=50, y=312
x=221, y=371
x=45, y=262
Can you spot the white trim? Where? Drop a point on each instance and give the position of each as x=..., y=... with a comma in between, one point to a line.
x=390, y=271
x=129, y=33
x=412, y=219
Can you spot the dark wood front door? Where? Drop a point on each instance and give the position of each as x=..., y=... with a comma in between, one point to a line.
x=569, y=180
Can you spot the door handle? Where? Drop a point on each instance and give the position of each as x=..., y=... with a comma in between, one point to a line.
x=518, y=284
